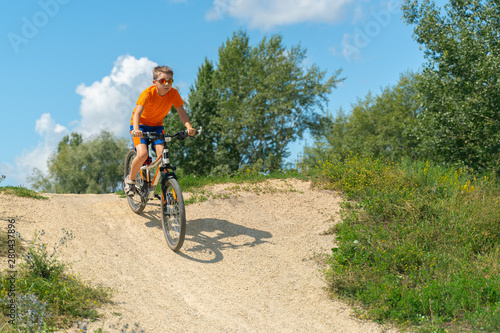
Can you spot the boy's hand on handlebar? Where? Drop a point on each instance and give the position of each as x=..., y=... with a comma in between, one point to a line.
x=191, y=131
x=137, y=134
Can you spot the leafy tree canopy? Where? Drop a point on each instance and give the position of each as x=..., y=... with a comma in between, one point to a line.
x=460, y=83
x=256, y=101
x=78, y=166
x=380, y=125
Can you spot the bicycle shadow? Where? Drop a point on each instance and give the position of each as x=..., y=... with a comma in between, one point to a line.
x=206, y=239
x=153, y=215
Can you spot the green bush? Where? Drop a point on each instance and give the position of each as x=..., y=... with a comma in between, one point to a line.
x=46, y=296
x=39, y=262
x=419, y=244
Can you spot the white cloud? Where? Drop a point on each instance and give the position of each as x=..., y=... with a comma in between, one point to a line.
x=266, y=14
x=51, y=134
x=108, y=104
x=46, y=126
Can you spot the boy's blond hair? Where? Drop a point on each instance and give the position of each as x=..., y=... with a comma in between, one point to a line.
x=162, y=69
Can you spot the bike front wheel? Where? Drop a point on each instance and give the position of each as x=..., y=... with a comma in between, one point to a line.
x=137, y=203
x=173, y=214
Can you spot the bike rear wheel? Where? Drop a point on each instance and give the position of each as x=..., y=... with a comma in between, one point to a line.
x=173, y=214
x=137, y=203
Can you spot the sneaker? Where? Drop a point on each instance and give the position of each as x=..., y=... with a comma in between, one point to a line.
x=129, y=187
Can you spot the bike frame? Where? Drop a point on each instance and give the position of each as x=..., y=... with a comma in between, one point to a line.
x=163, y=163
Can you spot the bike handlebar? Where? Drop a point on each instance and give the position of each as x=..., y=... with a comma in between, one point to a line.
x=179, y=135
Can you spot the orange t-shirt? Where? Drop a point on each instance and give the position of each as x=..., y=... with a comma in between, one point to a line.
x=156, y=107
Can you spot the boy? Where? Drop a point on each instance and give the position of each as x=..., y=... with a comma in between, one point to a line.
x=153, y=105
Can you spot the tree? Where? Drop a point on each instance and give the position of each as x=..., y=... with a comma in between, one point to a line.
x=197, y=156
x=93, y=166
x=256, y=102
x=288, y=100
x=460, y=85
x=381, y=125
x=234, y=88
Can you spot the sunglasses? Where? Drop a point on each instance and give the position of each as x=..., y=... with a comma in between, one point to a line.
x=165, y=81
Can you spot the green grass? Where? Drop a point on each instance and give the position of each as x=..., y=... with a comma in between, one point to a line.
x=21, y=192
x=419, y=245
x=47, y=296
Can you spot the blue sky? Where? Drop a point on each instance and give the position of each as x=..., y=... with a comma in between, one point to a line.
x=74, y=65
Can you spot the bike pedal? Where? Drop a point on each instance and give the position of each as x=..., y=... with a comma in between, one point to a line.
x=157, y=196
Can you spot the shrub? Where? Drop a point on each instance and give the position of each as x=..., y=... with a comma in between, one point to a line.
x=419, y=243
x=46, y=296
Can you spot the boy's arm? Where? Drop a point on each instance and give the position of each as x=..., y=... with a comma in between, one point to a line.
x=185, y=120
x=139, y=109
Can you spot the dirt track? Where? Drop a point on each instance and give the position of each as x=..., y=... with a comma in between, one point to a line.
x=247, y=265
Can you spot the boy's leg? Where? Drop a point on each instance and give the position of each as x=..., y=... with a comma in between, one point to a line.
x=142, y=155
x=159, y=149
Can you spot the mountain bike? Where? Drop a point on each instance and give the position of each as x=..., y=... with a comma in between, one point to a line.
x=173, y=214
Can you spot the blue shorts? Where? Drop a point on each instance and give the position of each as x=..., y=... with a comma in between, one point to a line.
x=144, y=128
